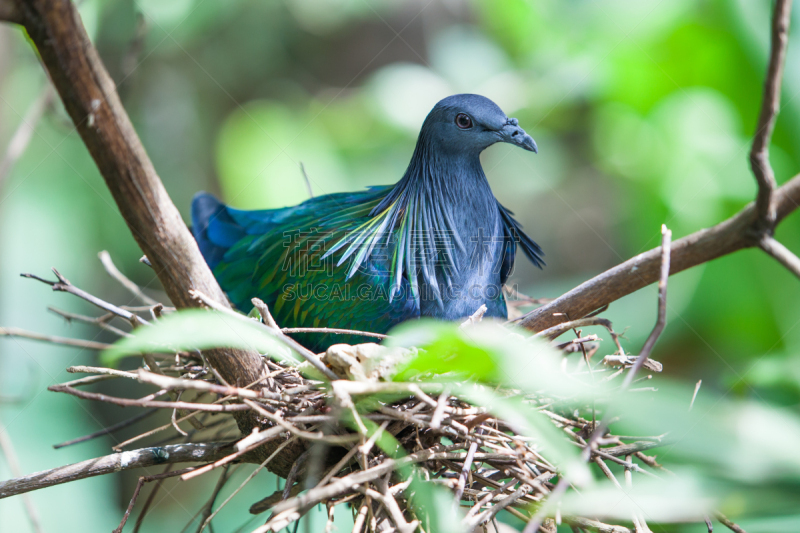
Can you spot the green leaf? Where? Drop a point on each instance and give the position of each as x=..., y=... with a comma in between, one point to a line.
x=490, y=353
x=198, y=329
x=716, y=434
x=678, y=498
x=435, y=505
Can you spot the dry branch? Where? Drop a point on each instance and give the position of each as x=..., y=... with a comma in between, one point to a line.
x=179, y=453
x=770, y=105
x=700, y=247
x=89, y=96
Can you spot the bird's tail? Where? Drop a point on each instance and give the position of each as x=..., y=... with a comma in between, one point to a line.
x=214, y=228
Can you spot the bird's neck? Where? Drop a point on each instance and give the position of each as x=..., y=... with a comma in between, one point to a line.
x=452, y=181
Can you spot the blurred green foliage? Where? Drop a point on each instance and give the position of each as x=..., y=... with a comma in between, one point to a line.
x=642, y=112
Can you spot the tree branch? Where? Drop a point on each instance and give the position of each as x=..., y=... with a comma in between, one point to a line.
x=770, y=106
x=781, y=253
x=9, y=12
x=743, y=230
x=177, y=453
x=90, y=98
x=700, y=247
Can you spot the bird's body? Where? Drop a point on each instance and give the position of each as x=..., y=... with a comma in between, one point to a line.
x=435, y=244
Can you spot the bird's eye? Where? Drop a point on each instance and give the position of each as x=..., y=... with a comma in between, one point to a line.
x=463, y=121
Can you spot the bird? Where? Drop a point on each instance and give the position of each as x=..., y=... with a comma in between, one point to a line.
x=435, y=244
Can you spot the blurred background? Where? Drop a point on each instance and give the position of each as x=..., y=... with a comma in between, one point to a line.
x=643, y=113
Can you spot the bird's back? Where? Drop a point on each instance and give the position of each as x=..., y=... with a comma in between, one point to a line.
x=282, y=256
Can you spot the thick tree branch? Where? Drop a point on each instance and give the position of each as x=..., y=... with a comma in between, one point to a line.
x=9, y=12
x=770, y=105
x=177, y=453
x=90, y=98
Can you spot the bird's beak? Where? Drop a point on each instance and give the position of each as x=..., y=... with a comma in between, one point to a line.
x=513, y=134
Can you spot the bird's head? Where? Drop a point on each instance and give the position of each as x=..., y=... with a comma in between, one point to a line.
x=470, y=123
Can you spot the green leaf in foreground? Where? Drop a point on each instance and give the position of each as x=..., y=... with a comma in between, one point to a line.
x=434, y=505
x=678, y=498
x=198, y=329
x=490, y=353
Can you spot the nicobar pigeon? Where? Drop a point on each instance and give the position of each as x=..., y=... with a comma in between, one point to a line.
x=435, y=244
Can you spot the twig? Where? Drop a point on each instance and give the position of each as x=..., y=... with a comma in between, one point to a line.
x=81, y=369
x=341, y=485
x=557, y=330
x=223, y=478
x=66, y=341
x=63, y=285
x=179, y=453
x=594, y=525
x=770, y=105
x=7, y=447
x=126, y=402
x=781, y=253
x=462, y=477
x=728, y=523
x=696, y=390
x=138, y=489
x=333, y=439
x=661, y=321
x=22, y=137
x=246, y=481
x=170, y=383
x=108, y=430
x=100, y=321
x=114, y=272
x=308, y=181
x=336, y=331
x=475, y=317
x=266, y=316
x=502, y=504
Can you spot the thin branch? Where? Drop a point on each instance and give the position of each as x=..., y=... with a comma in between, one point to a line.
x=661, y=320
x=114, y=272
x=336, y=331
x=247, y=480
x=223, y=478
x=65, y=341
x=99, y=321
x=308, y=181
x=64, y=285
x=22, y=137
x=727, y=523
x=170, y=383
x=770, y=106
x=107, y=430
x=781, y=253
x=7, y=447
x=462, y=477
x=138, y=489
x=178, y=453
x=126, y=402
